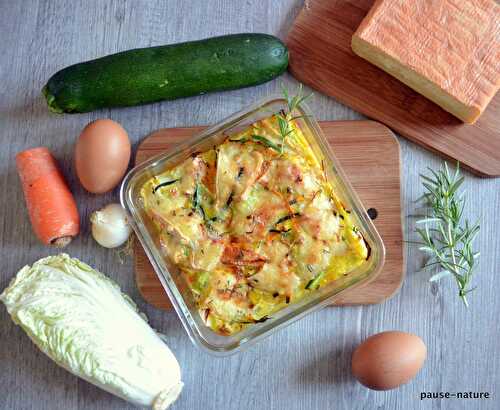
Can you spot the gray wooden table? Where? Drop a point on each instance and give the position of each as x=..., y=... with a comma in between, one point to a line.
x=305, y=366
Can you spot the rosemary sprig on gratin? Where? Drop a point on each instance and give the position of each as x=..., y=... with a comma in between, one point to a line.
x=284, y=118
x=445, y=235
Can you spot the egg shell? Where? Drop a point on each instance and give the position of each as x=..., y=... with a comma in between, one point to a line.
x=388, y=359
x=102, y=155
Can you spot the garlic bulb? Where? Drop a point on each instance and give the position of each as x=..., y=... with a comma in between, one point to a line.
x=110, y=227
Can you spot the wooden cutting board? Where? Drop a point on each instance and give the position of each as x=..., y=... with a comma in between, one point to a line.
x=369, y=154
x=321, y=57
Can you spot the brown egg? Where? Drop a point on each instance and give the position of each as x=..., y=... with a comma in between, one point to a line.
x=388, y=359
x=102, y=155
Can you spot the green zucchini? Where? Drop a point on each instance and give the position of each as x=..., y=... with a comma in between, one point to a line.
x=152, y=74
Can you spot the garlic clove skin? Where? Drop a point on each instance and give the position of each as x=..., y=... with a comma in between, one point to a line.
x=110, y=227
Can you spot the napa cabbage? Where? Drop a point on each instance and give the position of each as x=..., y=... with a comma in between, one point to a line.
x=81, y=320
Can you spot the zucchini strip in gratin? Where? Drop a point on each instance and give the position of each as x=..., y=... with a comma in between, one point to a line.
x=253, y=224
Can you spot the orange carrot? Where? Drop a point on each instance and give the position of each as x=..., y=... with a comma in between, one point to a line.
x=51, y=206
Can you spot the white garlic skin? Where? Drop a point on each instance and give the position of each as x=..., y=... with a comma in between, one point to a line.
x=110, y=227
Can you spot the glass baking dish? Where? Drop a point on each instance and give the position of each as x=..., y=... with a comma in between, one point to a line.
x=174, y=284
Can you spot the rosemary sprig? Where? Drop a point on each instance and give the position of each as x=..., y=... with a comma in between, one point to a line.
x=445, y=235
x=284, y=118
x=294, y=102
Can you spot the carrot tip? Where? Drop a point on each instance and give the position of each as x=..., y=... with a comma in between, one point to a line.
x=61, y=242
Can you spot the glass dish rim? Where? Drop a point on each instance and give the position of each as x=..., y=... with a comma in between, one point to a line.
x=164, y=274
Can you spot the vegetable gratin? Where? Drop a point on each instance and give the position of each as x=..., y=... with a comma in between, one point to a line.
x=253, y=224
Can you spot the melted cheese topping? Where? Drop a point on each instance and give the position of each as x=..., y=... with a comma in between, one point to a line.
x=253, y=225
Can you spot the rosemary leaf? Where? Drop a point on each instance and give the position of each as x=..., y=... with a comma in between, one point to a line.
x=439, y=275
x=267, y=142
